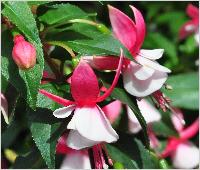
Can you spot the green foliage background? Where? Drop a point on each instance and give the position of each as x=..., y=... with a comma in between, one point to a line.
x=33, y=131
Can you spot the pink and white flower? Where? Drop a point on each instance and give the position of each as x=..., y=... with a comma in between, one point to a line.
x=191, y=26
x=145, y=75
x=89, y=125
x=184, y=154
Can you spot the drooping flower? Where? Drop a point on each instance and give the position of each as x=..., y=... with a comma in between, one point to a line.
x=184, y=154
x=191, y=26
x=74, y=159
x=143, y=77
x=89, y=125
x=23, y=53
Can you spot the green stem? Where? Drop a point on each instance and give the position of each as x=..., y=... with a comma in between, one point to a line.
x=14, y=32
x=61, y=44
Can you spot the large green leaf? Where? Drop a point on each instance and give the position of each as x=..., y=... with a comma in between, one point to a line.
x=62, y=12
x=45, y=128
x=20, y=14
x=136, y=155
x=185, y=93
x=102, y=45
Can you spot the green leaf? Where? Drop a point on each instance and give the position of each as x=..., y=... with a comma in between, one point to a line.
x=42, y=133
x=131, y=152
x=62, y=12
x=185, y=90
x=101, y=45
x=45, y=128
x=20, y=14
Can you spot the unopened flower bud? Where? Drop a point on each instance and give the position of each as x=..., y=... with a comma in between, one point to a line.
x=23, y=53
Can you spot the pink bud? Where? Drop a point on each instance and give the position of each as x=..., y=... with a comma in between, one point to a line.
x=24, y=53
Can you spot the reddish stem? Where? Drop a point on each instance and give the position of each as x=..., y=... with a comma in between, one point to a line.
x=57, y=99
x=109, y=91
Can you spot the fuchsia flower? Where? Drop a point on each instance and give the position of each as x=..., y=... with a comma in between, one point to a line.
x=74, y=159
x=191, y=26
x=23, y=53
x=184, y=154
x=144, y=76
x=89, y=125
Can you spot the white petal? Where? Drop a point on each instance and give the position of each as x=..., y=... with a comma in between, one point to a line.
x=149, y=112
x=151, y=54
x=71, y=124
x=92, y=124
x=76, y=141
x=76, y=160
x=141, y=72
x=152, y=64
x=133, y=124
x=64, y=111
x=186, y=156
x=142, y=88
